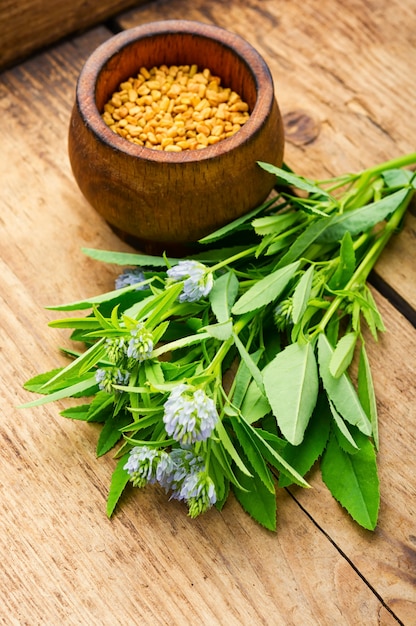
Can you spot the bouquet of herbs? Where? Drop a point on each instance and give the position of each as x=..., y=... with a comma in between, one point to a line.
x=229, y=370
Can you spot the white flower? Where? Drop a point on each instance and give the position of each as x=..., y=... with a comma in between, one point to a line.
x=140, y=346
x=198, y=490
x=108, y=377
x=145, y=465
x=197, y=280
x=130, y=277
x=189, y=415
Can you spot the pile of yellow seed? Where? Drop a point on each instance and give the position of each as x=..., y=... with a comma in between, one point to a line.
x=175, y=108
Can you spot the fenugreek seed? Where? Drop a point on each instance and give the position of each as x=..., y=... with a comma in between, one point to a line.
x=173, y=148
x=143, y=90
x=116, y=101
x=166, y=141
x=175, y=108
x=217, y=130
x=203, y=128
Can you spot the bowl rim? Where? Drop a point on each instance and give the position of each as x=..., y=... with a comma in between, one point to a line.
x=88, y=110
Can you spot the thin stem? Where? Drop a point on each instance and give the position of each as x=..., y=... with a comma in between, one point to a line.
x=361, y=273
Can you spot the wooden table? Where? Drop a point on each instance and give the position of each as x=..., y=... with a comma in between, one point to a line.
x=344, y=77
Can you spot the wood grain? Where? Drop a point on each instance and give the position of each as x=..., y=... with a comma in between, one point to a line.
x=29, y=25
x=342, y=82
x=62, y=560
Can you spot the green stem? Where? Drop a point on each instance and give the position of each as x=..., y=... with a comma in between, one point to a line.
x=361, y=273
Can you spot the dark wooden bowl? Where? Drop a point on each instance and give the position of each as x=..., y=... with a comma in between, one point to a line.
x=164, y=198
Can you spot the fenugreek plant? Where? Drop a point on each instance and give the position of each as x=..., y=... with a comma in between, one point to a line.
x=230, y=370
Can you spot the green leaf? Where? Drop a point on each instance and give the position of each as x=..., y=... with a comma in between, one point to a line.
x=305, y=239
x=343, y=354
x=255, y=404
x=304, y=455
x=343, y=435
x=340, y=390
x=366, y=393
x=294, y=180
x=270, y=447
x=242, y=379
x=248, y=444
x=360, y=220
x=221, y=331
x=223, y=295
x=352, y=480
x=226, y=230
x=119, y=480
x=228, y=446
x=291, y=384
x=250, y=363
x=67, y=392
x=346, y=264
x=110, y=433
x=256, y=500
x=77, y=412
x=127, y=258
x=36, y=383
x=265, y=290
x=274, y=224
x=76, y=368
x=302, y=294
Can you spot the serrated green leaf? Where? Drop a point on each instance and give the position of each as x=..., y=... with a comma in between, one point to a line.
x=294, y=180
x=274, y=224
x=265, y=290
x=67, y=392
x=353, y=480
x=119, y=480
x=360, y=220
x=367, y=394
x=343, y=354
x=223, y=295
x=291, y=384
x=256, y=500
x=76, y=412
x=36, y=383
x=110, y=433
x=340, y=390
x=302, y=294
x=303, y=456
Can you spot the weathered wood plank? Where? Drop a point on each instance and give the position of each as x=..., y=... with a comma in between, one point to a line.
x=28, y=25
x=387, y=558
x=62, y=560
x=342, y=80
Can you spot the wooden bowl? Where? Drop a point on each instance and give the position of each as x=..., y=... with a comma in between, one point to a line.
x=161, y=199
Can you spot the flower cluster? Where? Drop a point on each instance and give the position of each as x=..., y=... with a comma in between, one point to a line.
x=197, y=280
x=189, y=415
x=136, y=345
x=179, y=472
x=108, y=377
x=130, y=276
